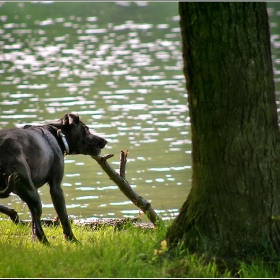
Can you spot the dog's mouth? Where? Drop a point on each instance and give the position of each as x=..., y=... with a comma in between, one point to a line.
x=101, y=145
x=96, y=152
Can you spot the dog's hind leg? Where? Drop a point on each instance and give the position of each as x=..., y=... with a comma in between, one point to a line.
x=31, y=197
x=12, y=213
x=27, y=191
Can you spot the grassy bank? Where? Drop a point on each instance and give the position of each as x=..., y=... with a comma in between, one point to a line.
x=127, y=253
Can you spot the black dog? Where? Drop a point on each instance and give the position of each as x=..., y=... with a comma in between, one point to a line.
x=34, y=155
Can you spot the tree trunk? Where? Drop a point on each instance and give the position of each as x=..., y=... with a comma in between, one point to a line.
x=234, y=204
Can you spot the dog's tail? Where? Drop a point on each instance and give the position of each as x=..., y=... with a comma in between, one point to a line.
x=10, y=186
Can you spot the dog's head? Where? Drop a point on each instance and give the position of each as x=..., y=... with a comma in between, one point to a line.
x=79, y=137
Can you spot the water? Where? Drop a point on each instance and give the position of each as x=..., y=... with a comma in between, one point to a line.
x=119, y=65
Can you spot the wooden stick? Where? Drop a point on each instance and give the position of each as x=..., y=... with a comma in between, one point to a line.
x=125, y=187
x=123, y=160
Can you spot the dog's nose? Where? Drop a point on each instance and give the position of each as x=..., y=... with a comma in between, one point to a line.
x=102, y=143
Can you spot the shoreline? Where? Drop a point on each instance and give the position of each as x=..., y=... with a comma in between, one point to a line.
x=97, y=223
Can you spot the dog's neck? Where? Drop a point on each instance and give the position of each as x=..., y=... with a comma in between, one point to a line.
x=57, y=133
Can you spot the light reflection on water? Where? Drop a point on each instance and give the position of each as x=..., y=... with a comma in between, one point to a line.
x=123, y=77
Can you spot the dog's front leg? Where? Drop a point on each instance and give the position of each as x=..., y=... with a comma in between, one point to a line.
x=60, y=207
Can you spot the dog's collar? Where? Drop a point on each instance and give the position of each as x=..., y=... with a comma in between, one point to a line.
x=63, y=138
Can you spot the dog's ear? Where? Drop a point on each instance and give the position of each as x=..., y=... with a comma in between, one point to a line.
x=71, y=119
x=74, y=119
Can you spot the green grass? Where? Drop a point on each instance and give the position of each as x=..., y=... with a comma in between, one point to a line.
x=109, y=253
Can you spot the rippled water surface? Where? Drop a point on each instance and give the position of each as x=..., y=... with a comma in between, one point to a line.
x=119, y=65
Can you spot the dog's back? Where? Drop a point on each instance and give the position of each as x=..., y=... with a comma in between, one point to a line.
x=31, y=153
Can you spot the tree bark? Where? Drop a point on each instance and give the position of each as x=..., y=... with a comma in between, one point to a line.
x=234, y=203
